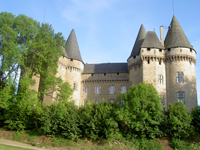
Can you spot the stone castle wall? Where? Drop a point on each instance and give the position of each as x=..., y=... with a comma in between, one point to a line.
x=70, y=71
x=181, y=60
x=104, y=81
x=153, y=65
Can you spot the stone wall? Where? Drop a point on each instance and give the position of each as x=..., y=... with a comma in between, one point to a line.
x=181, y=60
x=104, y=81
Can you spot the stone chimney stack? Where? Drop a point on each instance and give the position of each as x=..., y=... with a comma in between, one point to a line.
x=161, y=35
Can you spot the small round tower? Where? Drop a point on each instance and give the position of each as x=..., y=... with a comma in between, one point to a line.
x=180, y=67
x=71, y=66
x=135, y=61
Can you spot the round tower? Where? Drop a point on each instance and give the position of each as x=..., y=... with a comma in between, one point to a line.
x=72, y=66
x=180, y=67
x=135, y=61
x=153, y=63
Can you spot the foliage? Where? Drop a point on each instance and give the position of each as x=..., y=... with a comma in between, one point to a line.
x=60, y=119
x=97, y=121
x=140, y=116
x=22, y=112
x=179, y=144
x=196, y=118
x=178, y=122
x=147, y=144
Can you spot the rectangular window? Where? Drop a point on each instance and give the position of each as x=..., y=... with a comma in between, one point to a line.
x=70, y=69
x=111, y=101
x=123, y=89
x=97, y=89
x=75, y=86
x=86, y=90
x=160, y=77
x=179, y=76
x=112, y=90
x=181, y=97
x=163, y=102
x=97, y=101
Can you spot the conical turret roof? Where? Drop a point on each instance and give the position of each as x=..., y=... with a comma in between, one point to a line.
x=151, y=41
x=175, y=36
x=138, y=42
x=71, y=47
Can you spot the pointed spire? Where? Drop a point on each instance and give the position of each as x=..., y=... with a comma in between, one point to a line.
x=176, y=36
x=151, y=41
x=71, y=47
x=138, y=42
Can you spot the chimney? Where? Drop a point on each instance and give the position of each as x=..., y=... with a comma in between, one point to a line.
x=161, y=35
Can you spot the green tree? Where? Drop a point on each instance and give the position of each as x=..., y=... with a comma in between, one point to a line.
x=43, y=56
x=178, y=122
x=140, y=111
x=196, y=118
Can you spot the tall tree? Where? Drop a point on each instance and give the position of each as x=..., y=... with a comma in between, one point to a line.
x=43, y=56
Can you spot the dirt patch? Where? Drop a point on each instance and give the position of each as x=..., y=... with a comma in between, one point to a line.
x=165, y=143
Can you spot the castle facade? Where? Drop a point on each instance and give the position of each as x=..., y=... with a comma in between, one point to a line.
x=168, y=64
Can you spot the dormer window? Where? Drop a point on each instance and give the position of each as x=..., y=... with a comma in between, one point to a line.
x=148, y=49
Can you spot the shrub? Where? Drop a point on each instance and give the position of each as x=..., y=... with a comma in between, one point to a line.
x=140, y=115
x=196, y=118
x=178, y=123
x=60, y=119
x=97, y=121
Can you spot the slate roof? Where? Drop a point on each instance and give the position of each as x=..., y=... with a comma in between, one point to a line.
x=71, y=47
x=106, y=68
x=138, y=42
x=176, y=36
x=64, y=52
x=151, y=41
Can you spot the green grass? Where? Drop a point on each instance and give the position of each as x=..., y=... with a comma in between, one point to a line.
x=7, y=147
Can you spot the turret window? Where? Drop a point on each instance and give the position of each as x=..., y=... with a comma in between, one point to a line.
x=181, y=97
x=70, y=69
x=75, y=86
x=160, y=78
x=179, y=76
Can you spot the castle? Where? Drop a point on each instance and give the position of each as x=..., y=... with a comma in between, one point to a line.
x=168, y=64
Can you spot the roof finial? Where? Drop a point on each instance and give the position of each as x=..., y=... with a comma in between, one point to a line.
x=73, y=26
x=173, y=6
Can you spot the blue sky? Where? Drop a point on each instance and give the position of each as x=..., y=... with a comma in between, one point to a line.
x=106, y=29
